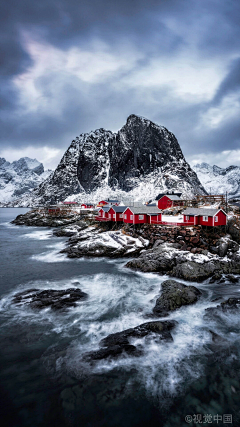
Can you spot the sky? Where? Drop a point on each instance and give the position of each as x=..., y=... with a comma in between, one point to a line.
x=72, y=66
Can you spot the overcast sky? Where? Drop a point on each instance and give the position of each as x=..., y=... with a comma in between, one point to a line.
x=71, y=66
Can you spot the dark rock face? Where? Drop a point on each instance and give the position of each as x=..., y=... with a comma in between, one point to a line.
x=167, y=258
x=154, y=260
x=93, y=161
x=54, y=299
x=191, y=270
x=175, y=295
x=115, y=344
x=142, y=147
x=122, y=160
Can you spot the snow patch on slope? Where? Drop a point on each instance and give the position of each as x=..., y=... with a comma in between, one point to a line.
x=217, y=180
x=20, y=178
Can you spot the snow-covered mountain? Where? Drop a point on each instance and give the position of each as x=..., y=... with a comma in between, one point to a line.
x=139, y=161
x=217, y=180
x=20, y=178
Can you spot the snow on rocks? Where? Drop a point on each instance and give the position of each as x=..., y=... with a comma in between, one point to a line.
x=167, y=258
x=91, y=242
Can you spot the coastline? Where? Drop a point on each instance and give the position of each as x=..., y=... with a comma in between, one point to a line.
x=192, y=254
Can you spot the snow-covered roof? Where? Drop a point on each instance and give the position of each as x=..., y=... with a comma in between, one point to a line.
x=119, y=209
x=201, y=211
x=149, y=210
x=173, y=196
x=168, y=194
x=106, y=209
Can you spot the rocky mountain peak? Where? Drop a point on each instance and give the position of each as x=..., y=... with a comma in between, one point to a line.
x=19, y=177
x=26, y=164
x=141, y=154
x=3, y=162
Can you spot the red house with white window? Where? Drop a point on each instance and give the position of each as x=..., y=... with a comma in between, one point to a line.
x=116, y=213
x=141, y=215
x=204, y=216
x=169, y=201
x=103, y=214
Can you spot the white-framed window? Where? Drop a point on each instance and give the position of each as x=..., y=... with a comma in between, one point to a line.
x=187, y=218
x=131, y=216
x=215, y=219
x=103, y=214
x=205, y=218
x=120, y=215
x=125, y=216
x=114, y=216
x=140, y=216
x=109, y=215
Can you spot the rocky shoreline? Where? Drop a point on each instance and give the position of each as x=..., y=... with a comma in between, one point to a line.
x=168, y=258
x=192, y=254
x=34, y=218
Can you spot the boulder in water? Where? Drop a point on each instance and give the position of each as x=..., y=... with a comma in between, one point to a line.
x=50, y=298
x=174, y=295
x=116, y=344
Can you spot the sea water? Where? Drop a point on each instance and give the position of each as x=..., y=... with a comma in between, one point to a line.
x=44, y=380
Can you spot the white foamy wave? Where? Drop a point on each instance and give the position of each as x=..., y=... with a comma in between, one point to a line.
x=53, y=255
x=38, y=235
x=9, y=225
x=115, y=303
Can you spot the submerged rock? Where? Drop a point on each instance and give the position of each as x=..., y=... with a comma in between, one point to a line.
x=50, y=298
x=174, y=295
x=230, y=305
x=118, y=343
x=217, y=339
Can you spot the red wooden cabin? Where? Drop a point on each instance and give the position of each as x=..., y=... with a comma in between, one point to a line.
x=205, y=216
x=103, y=214
x=141, y=215
x=169, y=201
x=53, y=210
x=116, y=213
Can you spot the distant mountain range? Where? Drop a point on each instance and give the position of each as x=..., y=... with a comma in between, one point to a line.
x=139, y=161
x=217, y=180
x=19, y=178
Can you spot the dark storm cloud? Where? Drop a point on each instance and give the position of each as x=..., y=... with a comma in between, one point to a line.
x=157, y=30
x=231, y=84
x=64, y=23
